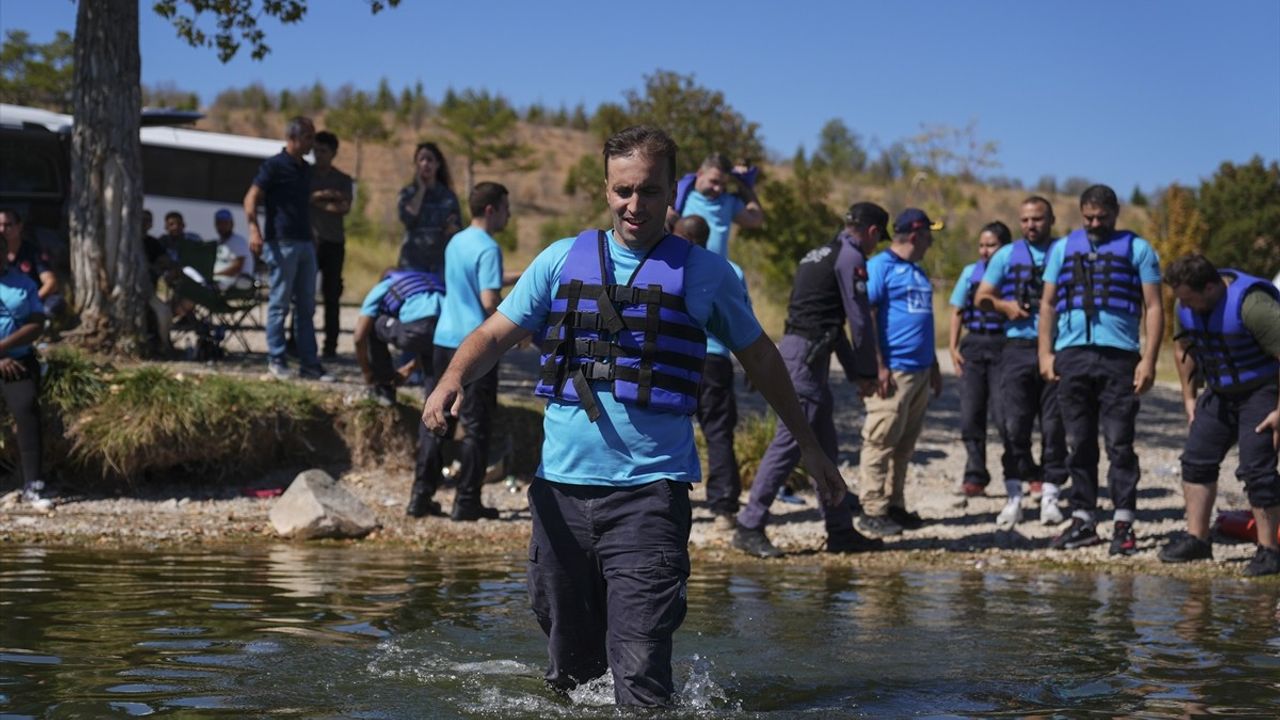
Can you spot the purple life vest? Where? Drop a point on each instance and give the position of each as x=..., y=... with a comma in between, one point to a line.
x=1093, y=278
x=987, y=322
x=1022, y=280
x=639, y=337
x=1226, y=353
x=404, y=285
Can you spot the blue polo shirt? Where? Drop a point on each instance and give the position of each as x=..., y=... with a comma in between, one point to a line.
x=628, y=445
x=19, y=300
x=1107, y=328
x=472, y=263
x=903, y=300
x=1029, y=328
x=418, y=307
x=286, y=187
x=718, y=213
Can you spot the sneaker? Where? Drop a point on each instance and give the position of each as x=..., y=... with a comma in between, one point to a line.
x=1077, y=535
x=787, y=496
x=852, y=541
x=754, y=542
x=471, y=514
x=908, y=520
x=317, y=373
x=1123, y=540
x=1049, y=512
x=877, y=525
x=329, y=354
x=724, y=522
x=1185, y=547
x=423, y=508
x=279, y=371
x=971, y=489
x=1265, y=562
x=32, y=495
x=1010, y=515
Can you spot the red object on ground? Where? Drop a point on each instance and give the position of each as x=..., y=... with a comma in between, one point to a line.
x=1240, y=524
x=262, y=492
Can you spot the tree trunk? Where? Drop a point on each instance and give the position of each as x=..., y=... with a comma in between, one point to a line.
x=109, y=277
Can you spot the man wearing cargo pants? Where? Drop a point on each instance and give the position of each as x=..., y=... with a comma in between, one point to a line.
x=622, y=319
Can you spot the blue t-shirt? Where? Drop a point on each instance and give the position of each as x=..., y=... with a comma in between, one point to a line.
x=903, y=299
x=714, y=346
x=286, y=189
x=422, y=305
x=1107, y=327
x=960, y=293
x=718, y=213
x=1029, y=328
x=628, y=445
x=472, y=262
x=19, y=300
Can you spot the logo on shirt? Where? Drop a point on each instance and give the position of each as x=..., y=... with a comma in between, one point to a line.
x=919, y=301
x=817, y=254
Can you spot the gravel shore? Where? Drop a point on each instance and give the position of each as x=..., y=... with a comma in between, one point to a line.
x=960, y=531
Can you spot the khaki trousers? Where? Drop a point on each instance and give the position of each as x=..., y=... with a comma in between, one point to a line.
x=888, y=439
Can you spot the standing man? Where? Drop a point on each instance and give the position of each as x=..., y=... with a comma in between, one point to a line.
x=1230, y=335
x=1013, y=285
x=902, y=299
x=473, y=274
x=625, y=314
x=25, y=255
x=709, y=199
x=330, y=200
x=830, y=289
x=402, y=310
x=717, y=403
x=1096, y=282
x=283, y=185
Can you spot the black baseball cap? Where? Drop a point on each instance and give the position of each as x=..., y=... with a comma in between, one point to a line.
x=869, y=215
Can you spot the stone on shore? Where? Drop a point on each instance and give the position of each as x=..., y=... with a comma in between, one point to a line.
x=317, y=506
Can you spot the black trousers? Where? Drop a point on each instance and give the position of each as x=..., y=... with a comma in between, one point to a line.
x=608, y=569
x=480, y=401
x=21, y=397
x=1096, y=392
x=415, y=337
x=979, y=389
x=718, y=416
x=329, y=258
x=1224, y=420
x=1024, y=396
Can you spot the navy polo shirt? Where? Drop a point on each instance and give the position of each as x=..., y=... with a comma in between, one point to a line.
x=286, y=185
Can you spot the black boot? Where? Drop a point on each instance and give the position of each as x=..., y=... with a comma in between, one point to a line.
x=420, y=502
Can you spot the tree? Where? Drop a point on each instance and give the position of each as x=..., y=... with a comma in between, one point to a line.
x=1241, y=206
x=946, y=150
x=799, y=220
x=580, y=121
x=167, y=95
x=1177, y=228
x=1138, y=198
x=37, y=74
x=109, y=280
x=608, y=119
x=421, y=106
x=385, y=100
x=482, y=128
x=840, y=149
x=699, y=120
x=358, y=121
x=317, y=98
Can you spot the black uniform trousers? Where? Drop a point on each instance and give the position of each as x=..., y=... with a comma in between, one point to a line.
x=1095, y=391
x=980, y=386
x=718, y=416
x=329, y=258
x=1024, y=396
x=1223, y=420
x=479, y=402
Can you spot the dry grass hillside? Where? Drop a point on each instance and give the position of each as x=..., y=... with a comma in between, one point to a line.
x=538, y=195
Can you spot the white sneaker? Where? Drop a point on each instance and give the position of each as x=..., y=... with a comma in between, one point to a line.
x=32, y=497
x=279, y=371
x=1049, y=512
x=1009, y=516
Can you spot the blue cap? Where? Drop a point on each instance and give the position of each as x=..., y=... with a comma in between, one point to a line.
x=914, y=219
x=223, y=214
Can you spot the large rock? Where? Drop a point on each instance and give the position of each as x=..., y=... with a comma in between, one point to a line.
x=317, y=506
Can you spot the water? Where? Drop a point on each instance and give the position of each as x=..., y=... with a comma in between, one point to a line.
x=379, y=633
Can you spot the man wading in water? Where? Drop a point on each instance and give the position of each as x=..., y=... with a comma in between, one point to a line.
x=622, y=319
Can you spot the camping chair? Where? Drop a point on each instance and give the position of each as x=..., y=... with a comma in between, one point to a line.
x=217, y=314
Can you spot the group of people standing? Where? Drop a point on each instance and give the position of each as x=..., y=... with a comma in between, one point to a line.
x=1066, y=332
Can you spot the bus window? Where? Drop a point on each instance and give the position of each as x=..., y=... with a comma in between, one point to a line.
x=29, y=166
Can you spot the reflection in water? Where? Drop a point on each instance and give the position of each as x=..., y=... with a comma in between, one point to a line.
x=343, y=632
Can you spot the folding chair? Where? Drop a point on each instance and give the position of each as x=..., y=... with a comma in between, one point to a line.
x=217, y=314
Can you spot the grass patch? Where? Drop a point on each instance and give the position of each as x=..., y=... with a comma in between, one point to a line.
x=73, y=381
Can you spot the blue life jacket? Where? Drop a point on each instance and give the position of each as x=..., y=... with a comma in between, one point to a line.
x=1094, y=278
x=637, y=336
x=1022, y=282
x=1226, y=353
x=976, y=319
x=404, y=285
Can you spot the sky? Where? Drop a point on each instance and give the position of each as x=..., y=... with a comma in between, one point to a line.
x=1125, y=92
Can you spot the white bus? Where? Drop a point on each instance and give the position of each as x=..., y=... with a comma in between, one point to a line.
x=189, y=171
